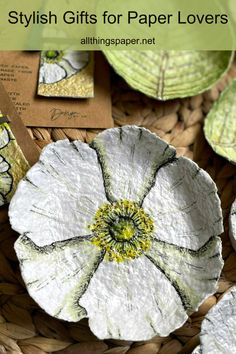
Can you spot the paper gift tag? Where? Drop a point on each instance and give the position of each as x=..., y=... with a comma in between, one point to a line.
x=66, y=74
x=17, y=150
x=19, y=74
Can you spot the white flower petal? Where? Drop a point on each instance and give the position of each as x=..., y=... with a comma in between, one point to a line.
x=4, y=165
x=60, y=194
x=184, y=205
x=232, y=225
x=57, y=275
x=77, y=59
x=129, y=301
x=51, y=73
x=130, y=157
x=194, y=274
x=6, y=180
x=4, y=137
x=218, y=328
x=67, y=67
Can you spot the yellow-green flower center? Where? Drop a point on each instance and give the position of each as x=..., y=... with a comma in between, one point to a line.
x=53, y=56
x=123, y=230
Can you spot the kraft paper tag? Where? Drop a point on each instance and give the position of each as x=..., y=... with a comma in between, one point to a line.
x=19, y=75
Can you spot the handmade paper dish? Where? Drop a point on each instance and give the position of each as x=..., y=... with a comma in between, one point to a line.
x=108, y=228
x=170, y=74
x=218, y=328
x=220, y=124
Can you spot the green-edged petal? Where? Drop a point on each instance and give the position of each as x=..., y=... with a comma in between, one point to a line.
x=170, y=74
x=4, y=136
x=193, y=274
x=218, y=328
x=6, y=180
x=6, y=183
x=184, y=205
x=4, y=165
x=67, y=67
x=60, y=194
x=232, y=225
x=220, y=124
x=57, y=275
x=130, y=157
x=77, y=59
x=13, y=165
x=128, y=301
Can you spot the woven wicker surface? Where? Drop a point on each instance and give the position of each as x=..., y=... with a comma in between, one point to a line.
x=24, y=328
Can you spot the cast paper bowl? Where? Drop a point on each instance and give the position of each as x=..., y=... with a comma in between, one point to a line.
x=119, y=231
x=172, y=74
x=218, y=328
x=220, y=124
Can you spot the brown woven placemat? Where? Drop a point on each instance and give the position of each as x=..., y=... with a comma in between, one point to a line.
x=24, y=327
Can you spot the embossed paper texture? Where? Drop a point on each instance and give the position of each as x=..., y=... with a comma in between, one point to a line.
x=19, y=73
x=218, y=328
x=220, y=124
x=66, y=74
x=112, y=229
x=166, y=75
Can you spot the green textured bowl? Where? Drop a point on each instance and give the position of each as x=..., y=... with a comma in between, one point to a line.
x=220, y=124
x=170, y=74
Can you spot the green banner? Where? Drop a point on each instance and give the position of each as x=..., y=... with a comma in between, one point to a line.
x=117, y=24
